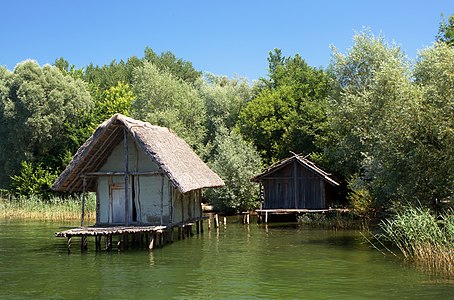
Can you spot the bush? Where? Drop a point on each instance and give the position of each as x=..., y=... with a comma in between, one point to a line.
x=33, y=180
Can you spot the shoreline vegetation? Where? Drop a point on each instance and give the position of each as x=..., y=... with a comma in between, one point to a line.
x=424, y=239
x=54, y=209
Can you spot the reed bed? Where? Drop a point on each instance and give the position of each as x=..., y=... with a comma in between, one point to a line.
x=422, y=238
x=334, y=220
x=55, y=209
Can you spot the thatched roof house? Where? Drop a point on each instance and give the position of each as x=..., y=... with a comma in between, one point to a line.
x=296, y=183
x=138, y=168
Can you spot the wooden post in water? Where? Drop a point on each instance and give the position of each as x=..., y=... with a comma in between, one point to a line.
x=69, y=245
x=216, y=221
x=201, y=226
x=225, y=221
x=197, y=225
x=151, y=244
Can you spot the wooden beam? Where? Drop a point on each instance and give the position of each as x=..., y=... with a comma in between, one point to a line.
x=162, y=198
x=295, y=182
x=93, y=174
x=82, y=217
x=126, y=150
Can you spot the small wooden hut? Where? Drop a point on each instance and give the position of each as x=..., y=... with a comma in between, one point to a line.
x=142, y=175
x=295, y=184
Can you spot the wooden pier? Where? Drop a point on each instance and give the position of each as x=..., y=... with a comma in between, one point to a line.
x=153, y=236
x=263, y=214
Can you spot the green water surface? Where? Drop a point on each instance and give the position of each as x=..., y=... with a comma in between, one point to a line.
x=236, y=262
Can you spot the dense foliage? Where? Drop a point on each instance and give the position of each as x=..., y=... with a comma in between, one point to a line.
x=391, y=124
x=289, y=112
x=382, y=124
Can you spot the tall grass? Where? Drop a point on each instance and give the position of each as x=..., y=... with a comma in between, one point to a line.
x=426, y=240
x=56, y=208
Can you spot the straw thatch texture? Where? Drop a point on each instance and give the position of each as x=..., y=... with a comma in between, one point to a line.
x=304, y=162
x=175, y=157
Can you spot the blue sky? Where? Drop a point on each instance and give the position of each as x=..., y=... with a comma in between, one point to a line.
x=221, y=37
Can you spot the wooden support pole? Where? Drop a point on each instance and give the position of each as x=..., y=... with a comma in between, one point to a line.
x=162, y=199
x=69, y=244
x=201, y=226
x=197, y=225
x=266, y=217
x=126, y=153
x=225, y=221
x=209, y=224
x=216, y=221
x=82, y=217
x=151, y=244
x=109, y=242
x=161, y=239
x=83, y=243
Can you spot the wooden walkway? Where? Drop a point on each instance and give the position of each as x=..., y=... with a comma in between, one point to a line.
x=297, y=211
x=153, y=236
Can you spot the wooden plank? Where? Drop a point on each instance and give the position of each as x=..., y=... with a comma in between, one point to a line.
x=126, y=150
x=82, y=217
x=109, y=173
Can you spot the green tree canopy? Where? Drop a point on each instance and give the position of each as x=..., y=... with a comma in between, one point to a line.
x=289, y=113
x=36, y=102
x=168, y=101
x=236, y=161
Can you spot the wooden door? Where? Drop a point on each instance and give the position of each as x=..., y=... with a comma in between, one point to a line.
x=118, y=205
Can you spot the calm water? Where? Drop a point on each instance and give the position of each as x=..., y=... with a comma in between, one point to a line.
x=237, y=262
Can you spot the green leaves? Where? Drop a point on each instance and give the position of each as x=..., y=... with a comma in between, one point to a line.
x=236, y=161
x=289, y=113
x=33, y=180
x=37, y=102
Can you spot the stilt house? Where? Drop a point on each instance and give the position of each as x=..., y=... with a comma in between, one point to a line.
x=142, y=174
x=296, y=183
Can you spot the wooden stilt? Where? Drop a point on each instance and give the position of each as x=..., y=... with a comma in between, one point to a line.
x=216, y=221
x=201, y=226
x=161, y=239
x=170, y=235
x=209, y=223
x=225, y=221
x=69, y=245
x=151, y=244
x=197, y=225
x=247, y=218
x=266, y=217
x=109, y=242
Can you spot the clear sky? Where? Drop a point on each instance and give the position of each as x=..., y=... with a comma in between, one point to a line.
x=222, y=37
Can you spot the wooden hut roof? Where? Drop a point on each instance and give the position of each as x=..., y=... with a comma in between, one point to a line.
x=304, y=162
x=174, y=156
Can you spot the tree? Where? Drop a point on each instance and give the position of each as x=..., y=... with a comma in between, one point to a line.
x=35, y=104
x=168, y=101
x=168, y=62
x=289, y=114
x=446, y=31
x=224, y=98
x=236, y=162
x=391, y=128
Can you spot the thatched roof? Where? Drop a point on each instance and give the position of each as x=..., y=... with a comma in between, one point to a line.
x=174, y=156
x=301, y=160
